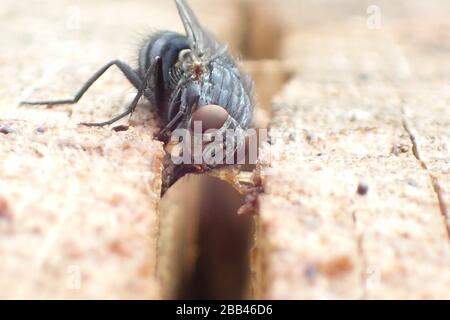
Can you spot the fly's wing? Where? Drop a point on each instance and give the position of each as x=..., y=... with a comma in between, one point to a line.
x=205, y=48
x=202, y=43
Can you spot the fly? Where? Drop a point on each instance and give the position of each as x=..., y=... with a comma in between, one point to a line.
x=187, y=78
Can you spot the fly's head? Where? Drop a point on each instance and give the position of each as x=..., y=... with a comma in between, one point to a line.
x=192, y=65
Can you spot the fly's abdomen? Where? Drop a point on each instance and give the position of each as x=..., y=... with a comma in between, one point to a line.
x=224, y=87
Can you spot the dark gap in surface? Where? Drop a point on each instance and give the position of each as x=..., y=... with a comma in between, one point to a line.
x=263, y=32
x=221, y=267
x=223, y=245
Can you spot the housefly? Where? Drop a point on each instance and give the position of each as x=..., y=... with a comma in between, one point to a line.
x=187, y=78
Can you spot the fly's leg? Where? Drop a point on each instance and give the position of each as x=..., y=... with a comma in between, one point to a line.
x=129, y=73
x=141, y=89
x=176, y=119
x=172, y=123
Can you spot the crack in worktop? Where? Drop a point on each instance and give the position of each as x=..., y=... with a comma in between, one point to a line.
x=434, y=180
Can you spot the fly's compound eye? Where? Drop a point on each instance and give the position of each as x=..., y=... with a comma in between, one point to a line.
x=211, y=117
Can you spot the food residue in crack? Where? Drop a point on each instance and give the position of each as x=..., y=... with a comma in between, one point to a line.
x=251, y=205
x=242, y=181
x=247, y=183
